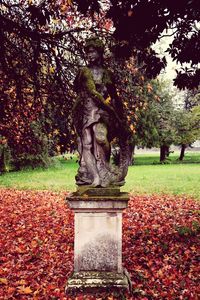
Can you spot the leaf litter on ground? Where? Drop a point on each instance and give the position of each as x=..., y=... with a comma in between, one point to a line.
x=160, y=246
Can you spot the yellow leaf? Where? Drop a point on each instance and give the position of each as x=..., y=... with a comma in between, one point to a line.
x=24, y=290
x=55, y=21
x=51, y=69
x=149, y=242
x=126, y=104
x=56, y=131
x=65, y=6
x=160, y=273
x=22, y=282
x=107, y=101
x=3, y=281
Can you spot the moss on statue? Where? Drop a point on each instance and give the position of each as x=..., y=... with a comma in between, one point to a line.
x=99, y=118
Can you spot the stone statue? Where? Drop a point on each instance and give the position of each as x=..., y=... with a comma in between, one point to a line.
x=99, y=119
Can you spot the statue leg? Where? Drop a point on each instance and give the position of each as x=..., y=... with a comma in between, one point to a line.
x=88, y=157
x=82, y=176
x=102, y=145
x=102, y=153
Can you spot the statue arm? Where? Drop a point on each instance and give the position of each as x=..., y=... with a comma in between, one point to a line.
x=91, y=90
x=89, y=85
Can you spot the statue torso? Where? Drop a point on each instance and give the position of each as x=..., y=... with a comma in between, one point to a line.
x=98, y=77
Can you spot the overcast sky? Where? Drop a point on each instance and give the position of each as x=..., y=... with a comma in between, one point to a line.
x=169, y=72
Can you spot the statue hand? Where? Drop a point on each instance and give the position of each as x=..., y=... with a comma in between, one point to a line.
x=109, y=109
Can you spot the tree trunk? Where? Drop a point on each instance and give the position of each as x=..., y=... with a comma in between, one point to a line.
x=167, y=151
x=182, y=154
x=163, y=152
x=132, y=160
x=2, y=159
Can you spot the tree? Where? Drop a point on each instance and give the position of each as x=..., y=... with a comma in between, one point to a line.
x=146, y=131
x=187, y=126
x=155, y=122
x=187, y=121
x=42, y=47
x=191, y=99
x=33, y=77
x=145, y=23
x=41, y=92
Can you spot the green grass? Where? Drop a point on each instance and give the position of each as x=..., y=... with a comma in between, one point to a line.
x=148, y=159
x=146, y=176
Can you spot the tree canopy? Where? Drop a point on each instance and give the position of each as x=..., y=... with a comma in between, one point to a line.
x=136, y=25
x=42, y=48
x=140, y=23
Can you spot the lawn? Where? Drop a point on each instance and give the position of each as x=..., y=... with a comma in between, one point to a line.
x=147, y=176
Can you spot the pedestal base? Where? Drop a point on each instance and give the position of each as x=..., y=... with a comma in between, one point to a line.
x=93, y=282
x=98, y=240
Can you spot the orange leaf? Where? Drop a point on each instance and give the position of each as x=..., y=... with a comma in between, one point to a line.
x=3, y=281
x=34, y=243
x=22, y=282
x=10, y=290
x=24, y=290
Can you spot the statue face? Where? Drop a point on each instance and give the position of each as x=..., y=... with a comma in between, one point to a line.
x=93, y=55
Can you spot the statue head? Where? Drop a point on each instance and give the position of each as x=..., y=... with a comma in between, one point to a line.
x=94, y=49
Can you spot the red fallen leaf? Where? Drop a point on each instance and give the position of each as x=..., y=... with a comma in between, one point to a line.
x=51, y=287
x=161, y=259
x=10, y=290
x=21, y=249
x=3, y=258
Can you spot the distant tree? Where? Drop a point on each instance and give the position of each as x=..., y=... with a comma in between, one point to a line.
x=146, y=131
x=187, y=127
x=155, y=122
x=191, y=98
x=186, y=121
x=165, y=125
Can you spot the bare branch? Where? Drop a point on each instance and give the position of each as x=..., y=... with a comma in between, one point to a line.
x=168, y=35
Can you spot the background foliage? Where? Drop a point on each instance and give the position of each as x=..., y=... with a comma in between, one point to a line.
x=42, y=49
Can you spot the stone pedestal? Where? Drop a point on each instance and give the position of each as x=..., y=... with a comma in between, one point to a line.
x=98, y=239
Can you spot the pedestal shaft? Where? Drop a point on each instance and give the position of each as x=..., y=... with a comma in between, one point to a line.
x=98, y=241
x=98, y=244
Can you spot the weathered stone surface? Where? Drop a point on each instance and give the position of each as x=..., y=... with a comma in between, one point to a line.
x=90, y=191
x=98, y=123
x=100, y=202
x=96, y=281
x=98, y=241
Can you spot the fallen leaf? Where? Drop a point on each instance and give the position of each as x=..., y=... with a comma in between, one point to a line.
x=24, y=290
x=3, y=281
